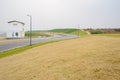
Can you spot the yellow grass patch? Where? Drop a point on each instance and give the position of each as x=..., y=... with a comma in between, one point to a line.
x=88, y=58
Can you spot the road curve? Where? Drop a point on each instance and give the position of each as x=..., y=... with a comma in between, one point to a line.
x=8, y=46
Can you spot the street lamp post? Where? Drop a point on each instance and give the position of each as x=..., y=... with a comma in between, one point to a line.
x=78, y=30
x=30, y=29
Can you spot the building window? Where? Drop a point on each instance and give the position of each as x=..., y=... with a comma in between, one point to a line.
x=13, y=34
x=16, y=34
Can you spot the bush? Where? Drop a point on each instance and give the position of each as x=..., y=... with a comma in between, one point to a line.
x=96, y=32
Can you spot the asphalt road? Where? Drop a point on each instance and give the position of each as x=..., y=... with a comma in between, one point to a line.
x=8, y=46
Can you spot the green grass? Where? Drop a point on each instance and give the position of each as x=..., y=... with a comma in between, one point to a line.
x=21, y=49
x=36, y=34
x=70, y=31
x=63, y=30
x=79, y=33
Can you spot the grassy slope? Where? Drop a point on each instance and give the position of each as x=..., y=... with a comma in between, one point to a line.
x=36, y=34
x=87, y=58
x=69, y=31
x=63, y=30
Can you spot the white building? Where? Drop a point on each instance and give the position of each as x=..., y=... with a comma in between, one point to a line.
x=16, y=30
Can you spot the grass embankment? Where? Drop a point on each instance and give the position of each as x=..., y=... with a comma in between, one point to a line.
x=70, y=31
x=37, y=34
x=87, y=58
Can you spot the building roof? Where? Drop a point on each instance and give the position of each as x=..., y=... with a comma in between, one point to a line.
x=17, y=22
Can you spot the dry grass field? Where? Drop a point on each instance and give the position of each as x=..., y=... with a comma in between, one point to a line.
x=88, y=58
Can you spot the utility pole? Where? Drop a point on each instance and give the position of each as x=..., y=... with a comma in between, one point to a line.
x=30, y=29
x=78, y=30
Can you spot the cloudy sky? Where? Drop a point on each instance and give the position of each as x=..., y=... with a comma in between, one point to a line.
x=49, y=14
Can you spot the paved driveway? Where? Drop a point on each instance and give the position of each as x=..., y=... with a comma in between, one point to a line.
x=11, y=45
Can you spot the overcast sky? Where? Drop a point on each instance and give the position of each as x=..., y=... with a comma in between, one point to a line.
x=49, y=14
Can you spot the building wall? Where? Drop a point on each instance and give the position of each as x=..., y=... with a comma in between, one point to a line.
x=15, y=34
x=16, y=31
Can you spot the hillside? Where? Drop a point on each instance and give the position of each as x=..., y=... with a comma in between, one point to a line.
x=37, y=34
x=69, y=31
x=66, y=31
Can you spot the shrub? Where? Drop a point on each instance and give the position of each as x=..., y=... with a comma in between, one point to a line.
x=96, y=32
